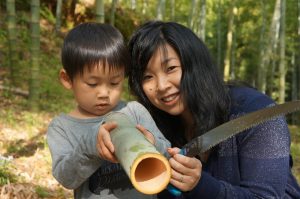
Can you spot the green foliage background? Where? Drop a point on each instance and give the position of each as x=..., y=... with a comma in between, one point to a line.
x=248, y=28
x=54, y=99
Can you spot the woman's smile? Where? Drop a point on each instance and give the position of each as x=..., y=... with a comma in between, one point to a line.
x=162, y=81
x=170, y=99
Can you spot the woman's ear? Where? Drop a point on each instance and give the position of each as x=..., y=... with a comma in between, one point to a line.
x=65, y=79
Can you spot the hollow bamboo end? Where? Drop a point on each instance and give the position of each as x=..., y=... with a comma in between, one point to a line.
x=150, y=173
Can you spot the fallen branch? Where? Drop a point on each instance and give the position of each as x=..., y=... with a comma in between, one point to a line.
x=17, y=91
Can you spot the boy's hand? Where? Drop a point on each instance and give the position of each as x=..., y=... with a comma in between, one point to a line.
x=146, y=133
x=104, y=145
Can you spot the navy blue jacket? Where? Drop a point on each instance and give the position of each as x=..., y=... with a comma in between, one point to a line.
x=255, y=163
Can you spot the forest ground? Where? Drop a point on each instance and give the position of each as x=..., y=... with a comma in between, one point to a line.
x=27, y=171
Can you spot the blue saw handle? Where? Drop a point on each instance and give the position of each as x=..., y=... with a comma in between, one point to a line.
x=173, y=190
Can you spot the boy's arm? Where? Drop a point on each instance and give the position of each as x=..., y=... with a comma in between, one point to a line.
x=72, y=162
x=141, y=116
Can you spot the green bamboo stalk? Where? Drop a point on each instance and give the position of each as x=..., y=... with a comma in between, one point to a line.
x=12, y=37
x=100, y=15
x=35, y=51
x=148, y=170
x=113, y=12
x=58, y=16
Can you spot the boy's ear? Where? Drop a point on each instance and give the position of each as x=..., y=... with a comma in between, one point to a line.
x=65, y=79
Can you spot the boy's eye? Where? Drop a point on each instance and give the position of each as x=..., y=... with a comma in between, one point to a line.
x=114, y=83
x=92, y=84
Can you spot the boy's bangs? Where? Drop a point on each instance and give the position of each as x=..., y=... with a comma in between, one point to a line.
x=111, y=60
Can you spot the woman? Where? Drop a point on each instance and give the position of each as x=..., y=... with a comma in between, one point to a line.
x=174, y=77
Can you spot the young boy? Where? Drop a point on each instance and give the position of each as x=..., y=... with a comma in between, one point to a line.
x=94, y=59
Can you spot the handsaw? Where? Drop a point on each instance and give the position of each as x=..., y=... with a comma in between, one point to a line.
x=213, y=137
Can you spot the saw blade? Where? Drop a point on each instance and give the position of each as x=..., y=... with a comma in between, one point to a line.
x=216, y=135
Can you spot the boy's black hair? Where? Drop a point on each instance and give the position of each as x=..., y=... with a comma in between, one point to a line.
x=90, y=43
x=202, y=88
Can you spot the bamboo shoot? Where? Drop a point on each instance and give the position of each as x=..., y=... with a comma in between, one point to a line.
x=148, y=170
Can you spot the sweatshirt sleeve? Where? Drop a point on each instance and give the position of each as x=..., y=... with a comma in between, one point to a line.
x=72, y=162
x=143, y=117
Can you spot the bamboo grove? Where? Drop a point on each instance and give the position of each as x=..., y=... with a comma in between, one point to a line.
x=257, y=42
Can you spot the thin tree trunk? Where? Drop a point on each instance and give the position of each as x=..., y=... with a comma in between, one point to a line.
x=113, y=10
x=173, y=10
x=234, y=36
x=262, y=43
x=192, y=13
x=12, y=36
x=282, y=68
x=219, y=34
x=160, y=9
x=35, y=51
x=229, y=41
x=272, y=68
x=298, y=51
x=133, y=4
x=100, y=15
x=202, y=19
x=294, y=84
x=271, y=40
x=297, y=65
x=232, y=54
x=144, y=6
x=58, y=16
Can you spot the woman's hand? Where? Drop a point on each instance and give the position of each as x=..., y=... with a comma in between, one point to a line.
x=146, y=133
x=186, y=171
x=104, y=145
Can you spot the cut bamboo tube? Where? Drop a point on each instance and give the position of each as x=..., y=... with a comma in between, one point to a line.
x=148, y=170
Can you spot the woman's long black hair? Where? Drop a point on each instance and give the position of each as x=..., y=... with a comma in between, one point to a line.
x=202, y=88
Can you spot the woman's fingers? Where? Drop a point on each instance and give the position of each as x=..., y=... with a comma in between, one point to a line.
x=186, y=171
x=186, y=164
x=173, y=151
x=146, y=133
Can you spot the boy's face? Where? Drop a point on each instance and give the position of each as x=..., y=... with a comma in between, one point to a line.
x=98, y=90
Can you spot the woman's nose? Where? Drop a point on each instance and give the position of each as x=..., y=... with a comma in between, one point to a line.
x=162, y=83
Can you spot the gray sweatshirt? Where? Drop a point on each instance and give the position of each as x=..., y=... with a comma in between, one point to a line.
x=75, y=158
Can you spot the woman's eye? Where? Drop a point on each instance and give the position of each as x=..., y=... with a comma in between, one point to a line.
x=170, y=68
x=147, y=77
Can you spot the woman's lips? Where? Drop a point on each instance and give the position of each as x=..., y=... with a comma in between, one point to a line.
x=170, y=99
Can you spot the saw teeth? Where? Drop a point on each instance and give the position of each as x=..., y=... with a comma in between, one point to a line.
x=238, y=125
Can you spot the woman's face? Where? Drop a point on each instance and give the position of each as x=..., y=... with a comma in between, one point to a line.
x=161, y=81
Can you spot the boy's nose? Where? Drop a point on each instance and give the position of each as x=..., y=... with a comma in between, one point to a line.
x=103, y=92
